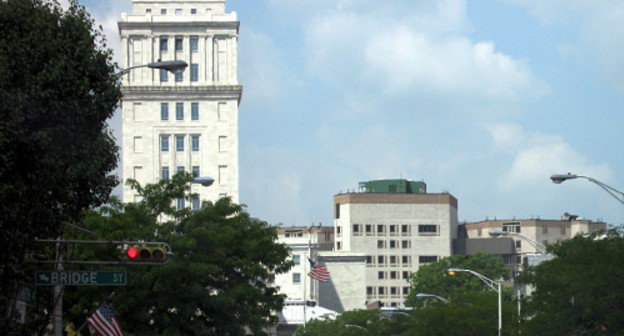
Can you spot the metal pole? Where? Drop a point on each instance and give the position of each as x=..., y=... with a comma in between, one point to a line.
x=58, y=294
x=500, y=310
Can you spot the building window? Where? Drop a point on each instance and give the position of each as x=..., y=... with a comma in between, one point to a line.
x=180, y=203
x=427, y=259
x=193, y=10
x=195, y=171
x=178, y=11
x=380, y=229
x=338, y=246
x=195, y=204
x=194, y=72
x=369, y=260
x=393, y=274
x=393, y=244
x=148, y=10
x=296, y=277
x=163, y=11
x=394, y=291
x=405, y=260
x=338, y=230
x=179, y=111
x=194, y=43
x=381, y=244
x=195, y=143
x=296, y=259
x=164, y=173
x=164, y=75
x=380, y=260
x=393, y=260
x=405, y=274
x=194, y=111
x=179, y=43
x=163, y=44
x=406, y=290
x=223, y=145
x=380, y=275
x=368, y=228
x=405, y=244
x=405, y=229
x=356, y=228
x=179, y=76
x=427, y=229
x=381, y=290
x=164, y=111
x=392, y=229
x=369, y=290
x=337, y=211
x=518, y=244
x=164, y=143
x=180, y=169
x=179, y=143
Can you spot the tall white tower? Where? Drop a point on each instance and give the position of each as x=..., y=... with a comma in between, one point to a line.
x=186, y=121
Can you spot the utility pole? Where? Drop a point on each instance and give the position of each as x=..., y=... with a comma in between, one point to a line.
x=58, y=293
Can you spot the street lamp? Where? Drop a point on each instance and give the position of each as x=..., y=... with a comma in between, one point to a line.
x=495, y=285
x=355, y=326
x=541, y=248
x=203, y=180
x=560, y=178
x=425, y=295
x=175, y=66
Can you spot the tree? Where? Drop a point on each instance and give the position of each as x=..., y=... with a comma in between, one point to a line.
x=581, y=290
x=219, y=281
x=433, y=278
x=57, y=88
x=370, y=322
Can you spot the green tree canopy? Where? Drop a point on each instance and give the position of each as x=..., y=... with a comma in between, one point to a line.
x=433, y=278
x=57, y=88
x=218, y=282
x=581, y=290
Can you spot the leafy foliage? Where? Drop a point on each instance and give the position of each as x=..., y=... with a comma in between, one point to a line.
x=57, y=88
x=581, y=290
x=218, y=282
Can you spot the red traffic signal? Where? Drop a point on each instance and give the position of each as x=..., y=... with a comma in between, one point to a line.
x=147, y=254
x=132, y=253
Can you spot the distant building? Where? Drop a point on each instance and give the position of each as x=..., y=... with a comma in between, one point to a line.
x=308, y=298
x=186, y=121
x=515, y=250
x=398, y=226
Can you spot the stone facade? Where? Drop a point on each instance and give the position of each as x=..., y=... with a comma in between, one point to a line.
x=181, y=122
x=397, y=233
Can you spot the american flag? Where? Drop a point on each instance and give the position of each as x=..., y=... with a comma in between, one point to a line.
x=104, y=322
x=318, y=272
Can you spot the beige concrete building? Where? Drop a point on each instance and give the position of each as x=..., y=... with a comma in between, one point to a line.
x=399, y=227
x=542, y=231
x=186, y=121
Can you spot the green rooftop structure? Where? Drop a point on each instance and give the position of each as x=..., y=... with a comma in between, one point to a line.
x=396, y=186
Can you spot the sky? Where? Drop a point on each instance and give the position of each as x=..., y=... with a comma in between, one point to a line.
x=484, y=99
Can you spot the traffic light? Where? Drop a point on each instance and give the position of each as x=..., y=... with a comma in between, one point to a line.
x=451, y=272
x=144, y=253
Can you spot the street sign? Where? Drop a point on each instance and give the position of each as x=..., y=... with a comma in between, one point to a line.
x=80, y=278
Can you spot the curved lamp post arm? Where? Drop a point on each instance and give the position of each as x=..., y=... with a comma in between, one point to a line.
x=541, y=248
x=618, y=195
x=425, y=295
x=171, y=66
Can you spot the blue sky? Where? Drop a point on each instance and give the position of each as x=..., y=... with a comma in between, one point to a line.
x=484, y=99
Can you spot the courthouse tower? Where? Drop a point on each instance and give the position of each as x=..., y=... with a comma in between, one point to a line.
x=186, y=121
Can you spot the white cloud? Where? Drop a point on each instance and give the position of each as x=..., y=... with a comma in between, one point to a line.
x=599, y=25
x=417, y=48
x=537, y=156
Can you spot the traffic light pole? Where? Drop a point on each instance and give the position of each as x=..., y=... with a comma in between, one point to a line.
x=110, y=242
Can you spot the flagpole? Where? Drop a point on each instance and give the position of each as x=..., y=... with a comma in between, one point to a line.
x=305, y=280
x=98, y=307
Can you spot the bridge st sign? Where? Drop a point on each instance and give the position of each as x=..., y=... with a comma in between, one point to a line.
x=80, y=278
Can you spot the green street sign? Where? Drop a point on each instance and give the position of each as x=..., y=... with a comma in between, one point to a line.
x=80, y=278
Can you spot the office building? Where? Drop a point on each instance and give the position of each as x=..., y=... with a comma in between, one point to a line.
x=186, y=121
